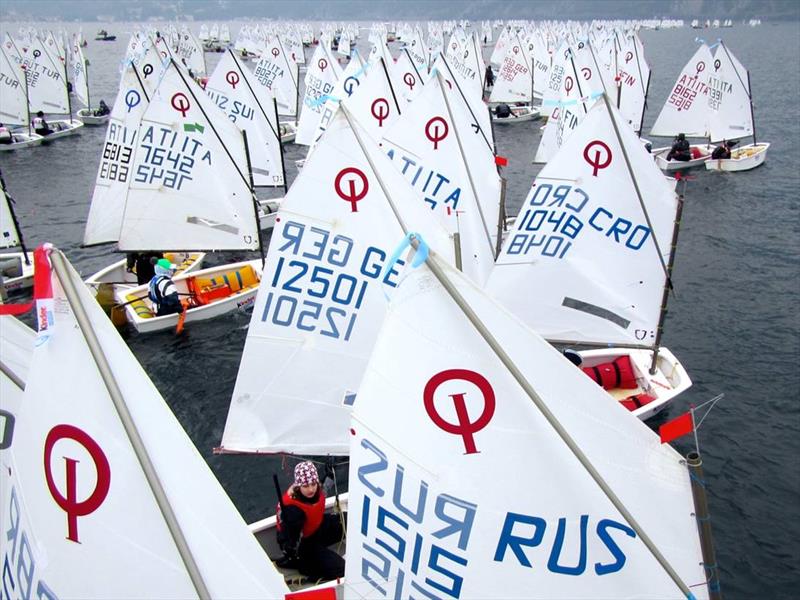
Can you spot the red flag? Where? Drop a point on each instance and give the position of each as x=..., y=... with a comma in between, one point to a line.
x=42, y=286
x=677, y=427
x=328, y=593
x=500, y=161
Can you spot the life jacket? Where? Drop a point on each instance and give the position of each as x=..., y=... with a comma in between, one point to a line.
x=615, y=374
x=502, y=111
x=636, y=401
x=38, y=123
x=162, y=291
x=5, y=134
x=313, y=512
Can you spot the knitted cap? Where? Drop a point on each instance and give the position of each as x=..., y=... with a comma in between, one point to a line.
x=305, y=473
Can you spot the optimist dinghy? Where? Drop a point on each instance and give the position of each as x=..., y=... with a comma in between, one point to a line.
x=16, y=268
x=209, y=293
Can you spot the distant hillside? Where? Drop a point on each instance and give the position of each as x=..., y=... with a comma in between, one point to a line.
x=367, y=10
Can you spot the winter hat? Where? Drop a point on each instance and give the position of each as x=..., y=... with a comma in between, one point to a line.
x=305, y=473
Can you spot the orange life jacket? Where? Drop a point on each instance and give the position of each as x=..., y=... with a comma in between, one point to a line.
x=616, y=374
x=313, y=512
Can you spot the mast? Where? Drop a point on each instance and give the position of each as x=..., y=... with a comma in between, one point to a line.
x=10, y=204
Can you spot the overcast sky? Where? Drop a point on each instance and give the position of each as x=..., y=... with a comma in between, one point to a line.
x=366, y=10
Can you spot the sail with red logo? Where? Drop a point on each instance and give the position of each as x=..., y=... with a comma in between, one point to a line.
x=483, y=464
x=588, y=260
x=103, y=493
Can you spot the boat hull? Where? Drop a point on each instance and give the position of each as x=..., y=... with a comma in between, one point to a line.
x=669, y=380
x=519, y=114
x=17, y=275
x=62, y=129
x=139, y=309
x=88, y=118
x=703, y=152
x=21, y=139
x=742, y=159
x=117, y=272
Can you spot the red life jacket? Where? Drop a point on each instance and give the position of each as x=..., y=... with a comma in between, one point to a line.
x=636, y=401
x=616, y=374
x=313, y=512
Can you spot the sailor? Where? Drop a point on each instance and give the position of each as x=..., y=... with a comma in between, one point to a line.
x=680, y=149
x=5, y=135
x=143, y=264
x=502, y=111
x=304, y=529
x=723, y=150
x=40, y=126
x=489, y=76
x=163, y=293
x=102, y=109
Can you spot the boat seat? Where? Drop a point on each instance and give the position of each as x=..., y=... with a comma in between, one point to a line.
x=140, y=307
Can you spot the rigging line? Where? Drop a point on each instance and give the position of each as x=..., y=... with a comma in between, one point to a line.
x=469, y=107
x=464, y=161
x=211, y=124
x=391, y=87
x=636, y=187
x=61, y=268
x=353, y=127
x=520, y=379
x=255, y=97
x=739, y=77
x=413, y=66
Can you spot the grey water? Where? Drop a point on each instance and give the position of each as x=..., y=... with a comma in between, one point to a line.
x=733, y=320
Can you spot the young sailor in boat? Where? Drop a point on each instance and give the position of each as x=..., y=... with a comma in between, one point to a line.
x=163, y=293
x=143, y=264
x=40, y=126
x=723, y=150
x=304, y=529
x=680, y=149
x=5, y=135
x=102, y=110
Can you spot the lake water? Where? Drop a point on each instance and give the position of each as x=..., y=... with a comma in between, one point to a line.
x=733, y=321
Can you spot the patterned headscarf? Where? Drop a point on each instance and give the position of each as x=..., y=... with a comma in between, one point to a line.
x=305, y=473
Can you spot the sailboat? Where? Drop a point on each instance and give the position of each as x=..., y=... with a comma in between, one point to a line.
x=590, y=258
x=686, y=111
x=483, y=465
x=731, y=117
x=80, y=85
x=16, y=268
x=106, y=493
x=14, y=105
x=514, y=84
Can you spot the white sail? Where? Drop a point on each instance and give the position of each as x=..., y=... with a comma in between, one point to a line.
x=9, y=234
x=190, y=53
x=460, y=488
x=411, y=80
x=730, y=116
x=78, y=68
x=348, y=84
x=427, y=144
x=16, y=350
x=84, y=508
x=376, y=102
x=276, y=72
x=14, y=99
x=321, y=78
x=514, y=79
x=583, y=262
x=634, y=79
x=189, y=188
x=322, y=297
x=686, y=108
x=47, y=89
x=116, y=169
x=252, y=109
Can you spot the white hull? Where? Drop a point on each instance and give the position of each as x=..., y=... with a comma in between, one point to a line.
x=288, y=130
x=669, y=380
x=89, y=118
x=702, y=150
x=140, y=312
x=62, y=129
x=518, y=115
x=17, y=276
x=742, y=159
x=267, y=211
x=22, y=139
x=117, y=272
